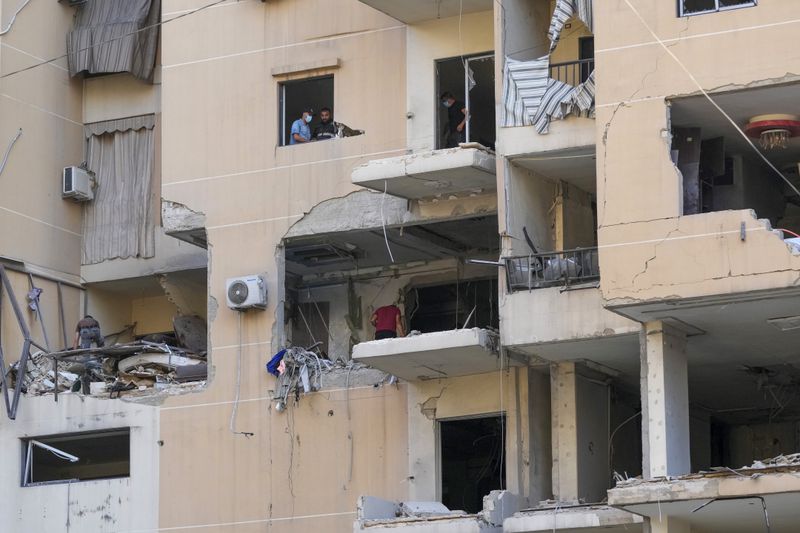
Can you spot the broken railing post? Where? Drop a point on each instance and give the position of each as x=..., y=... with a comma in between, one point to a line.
x=11, y=407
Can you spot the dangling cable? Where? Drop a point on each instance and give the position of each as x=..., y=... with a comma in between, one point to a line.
x=234, y=411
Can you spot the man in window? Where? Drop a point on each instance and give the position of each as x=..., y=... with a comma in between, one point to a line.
x=388, y=322
x=327, y=128
x=301, y=131
x=456, y=120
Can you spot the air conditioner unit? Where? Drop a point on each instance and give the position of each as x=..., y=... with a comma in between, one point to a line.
x=246, y=292
x=76, y=184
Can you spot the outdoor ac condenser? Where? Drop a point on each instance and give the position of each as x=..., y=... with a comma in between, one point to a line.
x=76, y=184
x=246, y=292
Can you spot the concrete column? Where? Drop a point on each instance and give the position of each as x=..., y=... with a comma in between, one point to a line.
x=668, y=525
x=563, y=400
x=665, y=401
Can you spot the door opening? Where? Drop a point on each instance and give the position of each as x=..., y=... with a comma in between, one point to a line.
x=471, y=82
x=472, y=460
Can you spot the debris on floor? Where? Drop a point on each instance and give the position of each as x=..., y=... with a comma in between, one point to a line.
x=781, y=463
x=112, y=370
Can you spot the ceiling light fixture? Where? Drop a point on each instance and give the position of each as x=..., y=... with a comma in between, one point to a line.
x=773, y=131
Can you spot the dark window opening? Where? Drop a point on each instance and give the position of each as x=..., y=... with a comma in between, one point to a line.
x=472, y=461
x=296, y=96
x=471, y=82
x=310, y=325
x=76, y=457
x=696, y=7
x=469, y=304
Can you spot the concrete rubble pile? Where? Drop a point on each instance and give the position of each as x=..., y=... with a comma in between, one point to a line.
x=139, y=365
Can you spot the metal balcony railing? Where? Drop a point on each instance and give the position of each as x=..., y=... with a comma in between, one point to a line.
x=572, y=72
x=554, y=269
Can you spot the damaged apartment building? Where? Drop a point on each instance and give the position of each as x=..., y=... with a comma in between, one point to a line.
x=595, y=272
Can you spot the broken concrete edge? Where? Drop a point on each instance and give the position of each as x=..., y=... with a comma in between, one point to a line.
x=569, y=516
x=485, y=338
x=372, y=511
x=178, y=218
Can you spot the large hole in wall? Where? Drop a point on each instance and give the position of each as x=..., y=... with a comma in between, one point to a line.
x=720, y=171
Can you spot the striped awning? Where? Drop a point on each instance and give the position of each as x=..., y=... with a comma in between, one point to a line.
x=114, y=36
x=524, y=85
x=565, y=10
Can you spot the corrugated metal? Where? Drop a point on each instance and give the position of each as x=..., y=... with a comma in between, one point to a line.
x=114, y=36
x=119, y=222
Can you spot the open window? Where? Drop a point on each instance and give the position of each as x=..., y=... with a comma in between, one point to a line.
x=698, y=7
x=472, y=460
x=442, y=307
x=76, y=457
x=471, y=82
x=298, y=95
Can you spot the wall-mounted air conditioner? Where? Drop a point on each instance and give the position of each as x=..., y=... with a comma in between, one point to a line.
x=246, y=292
x=76, y=184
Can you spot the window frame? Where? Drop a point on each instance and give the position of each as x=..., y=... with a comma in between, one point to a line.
x=26, y=453
x=282, y=84
x=717, y=9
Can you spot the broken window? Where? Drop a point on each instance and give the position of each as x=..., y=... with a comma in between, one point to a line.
x=696, y=7
x=471, y=303
x=470, y=80
x=76, y=457
x=472, y=460
x=297, y=96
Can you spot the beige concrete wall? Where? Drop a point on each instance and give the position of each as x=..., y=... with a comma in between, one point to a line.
x=427, y=42
x=46, y=104
x=304, y=468
x=642, y=232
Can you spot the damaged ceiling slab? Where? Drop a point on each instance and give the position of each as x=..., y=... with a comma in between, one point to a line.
x=433, y=355
x=574, y=519
x=430, y=174
x=760, y=497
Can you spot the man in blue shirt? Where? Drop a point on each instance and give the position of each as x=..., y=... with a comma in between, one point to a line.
x=301, y=131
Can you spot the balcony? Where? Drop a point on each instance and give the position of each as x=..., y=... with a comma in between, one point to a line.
x=431, y=174
x=554, y=309
x=555, y=269
x=436, y=355
x=572, y=72
x=416, y=11
x=573, y=519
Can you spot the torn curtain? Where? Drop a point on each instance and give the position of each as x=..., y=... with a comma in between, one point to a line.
x=120, y=223
x=114, y=36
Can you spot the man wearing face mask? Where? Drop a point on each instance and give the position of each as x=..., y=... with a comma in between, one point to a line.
x=301, y=131
x=326, y=129
x=456, y=120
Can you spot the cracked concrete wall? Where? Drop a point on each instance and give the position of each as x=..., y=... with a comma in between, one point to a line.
x=639, y=194
x=470, y=396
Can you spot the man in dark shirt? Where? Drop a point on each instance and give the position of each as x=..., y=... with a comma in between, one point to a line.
x=457, y=117
x=326, y=129
x=88, y=331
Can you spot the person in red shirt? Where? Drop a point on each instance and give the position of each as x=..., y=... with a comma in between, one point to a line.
x=388, y=322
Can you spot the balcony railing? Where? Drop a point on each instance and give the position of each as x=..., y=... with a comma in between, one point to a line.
x=572, y=72
x=554, y=269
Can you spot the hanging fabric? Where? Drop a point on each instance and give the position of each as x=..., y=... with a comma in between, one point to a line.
x=524, y=85
x=114, y=36
x=119, y=222
x=565, y=10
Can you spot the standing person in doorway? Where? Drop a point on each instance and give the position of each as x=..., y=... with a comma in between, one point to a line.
x=301, y=131
x=88, y=331
x=457, y=116
x=388, y=322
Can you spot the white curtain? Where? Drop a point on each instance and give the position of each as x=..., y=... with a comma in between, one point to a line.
x=119, y=222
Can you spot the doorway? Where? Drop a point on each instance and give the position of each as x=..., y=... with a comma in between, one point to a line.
x=470, y=79
x=472, y=460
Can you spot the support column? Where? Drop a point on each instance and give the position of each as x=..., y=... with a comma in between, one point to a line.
x=665, y=401
x=668, y=525
x=563, y=401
